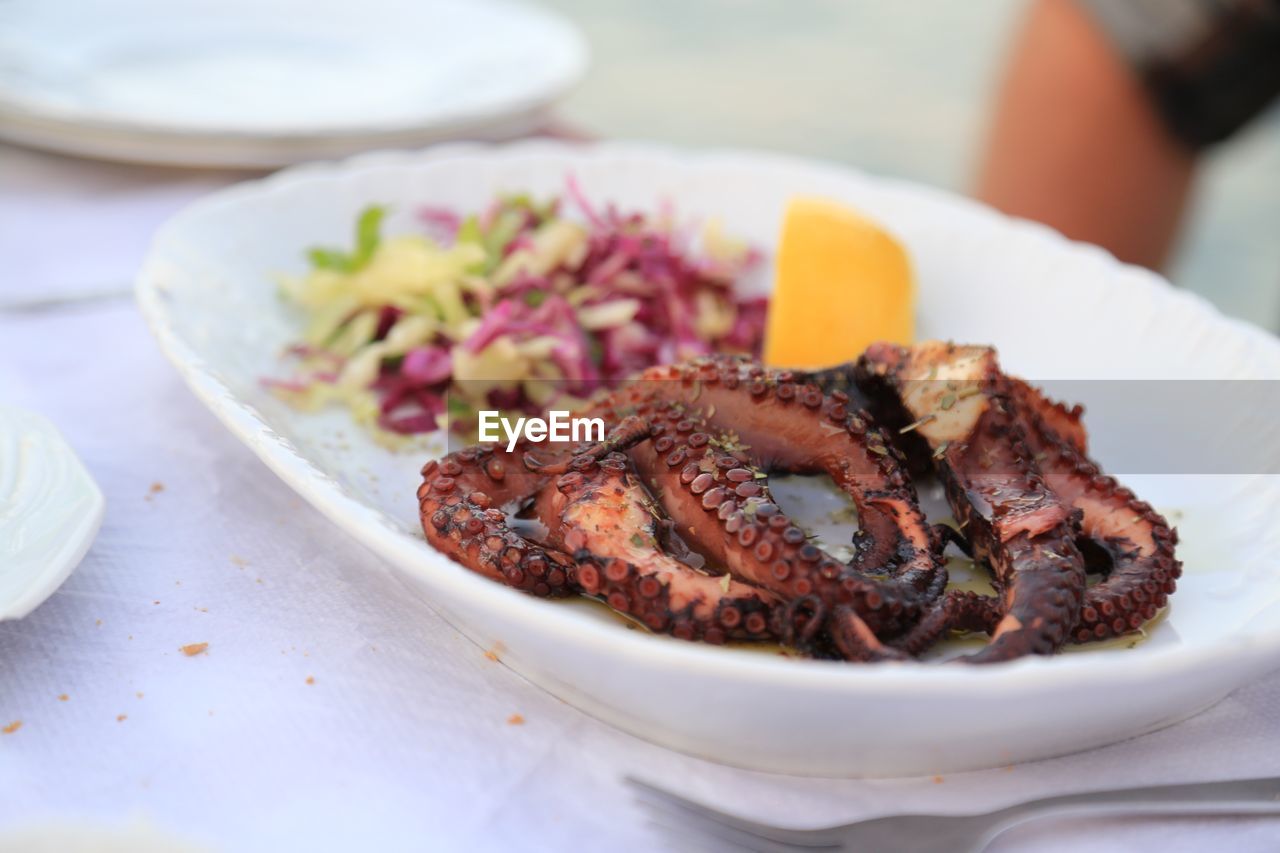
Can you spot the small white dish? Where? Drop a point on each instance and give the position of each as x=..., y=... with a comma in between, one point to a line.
x=50, y=511
x=1056, y=311
x=264, y=84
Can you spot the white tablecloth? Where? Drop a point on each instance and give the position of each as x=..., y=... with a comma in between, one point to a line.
x=333, y=709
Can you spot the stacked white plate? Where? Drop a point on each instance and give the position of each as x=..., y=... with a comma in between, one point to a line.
x=272, y=82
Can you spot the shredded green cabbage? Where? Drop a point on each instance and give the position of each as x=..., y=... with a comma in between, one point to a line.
x=515, y=308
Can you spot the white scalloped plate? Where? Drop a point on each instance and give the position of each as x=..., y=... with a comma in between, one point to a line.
x=1056, y=310
x=50, y=511
x=248, y=83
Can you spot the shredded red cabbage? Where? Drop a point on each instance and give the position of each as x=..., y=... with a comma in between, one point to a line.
x=651, y=298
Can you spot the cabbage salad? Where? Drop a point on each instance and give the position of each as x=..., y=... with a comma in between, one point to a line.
x=514, y=308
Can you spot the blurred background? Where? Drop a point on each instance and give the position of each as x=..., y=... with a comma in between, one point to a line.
x=901, y=89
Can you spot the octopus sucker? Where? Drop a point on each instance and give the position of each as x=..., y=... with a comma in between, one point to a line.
x=671, y=519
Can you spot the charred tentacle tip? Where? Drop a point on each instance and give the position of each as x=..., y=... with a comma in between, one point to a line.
x=801, y=621
x=855, y=639
x=944, y=535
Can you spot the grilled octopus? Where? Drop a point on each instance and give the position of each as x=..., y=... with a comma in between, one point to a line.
x=671, y=520
x=1031, y=502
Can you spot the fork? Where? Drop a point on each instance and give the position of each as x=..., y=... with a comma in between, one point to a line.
x=683, y=818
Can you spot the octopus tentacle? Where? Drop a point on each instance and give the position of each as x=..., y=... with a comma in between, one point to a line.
x=601, y=515
x=800, y=624
x=1065, y=421
x=1138, y=540
x=626, y=433
x=723, y=500
x=723, y=505
x=878, y=407
x=1014, y=522
x=794, y=428
x=460, y=501
x=723, y=508
x=948, y=535
x=855, y=640
x=935, y=622
x=838, y=379
x=972, y=611
x=719, y=424
x=1056, y=418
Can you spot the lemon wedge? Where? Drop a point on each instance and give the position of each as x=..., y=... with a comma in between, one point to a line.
x=842, y=283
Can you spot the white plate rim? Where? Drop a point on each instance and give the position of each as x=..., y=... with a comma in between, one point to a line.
x=56, y=564
x=71, y=128
x=246, y=151
x=903, y=680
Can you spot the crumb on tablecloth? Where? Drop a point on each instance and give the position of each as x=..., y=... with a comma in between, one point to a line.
x=938, y=780
x=139, y=694
x=193, y=649
x=62, y=697
x=120, y=718
x=12, y=727
x=238, y=561
x=311, y=679
x=515, y=720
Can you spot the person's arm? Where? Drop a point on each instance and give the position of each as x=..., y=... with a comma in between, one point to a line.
x=1077, y=144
